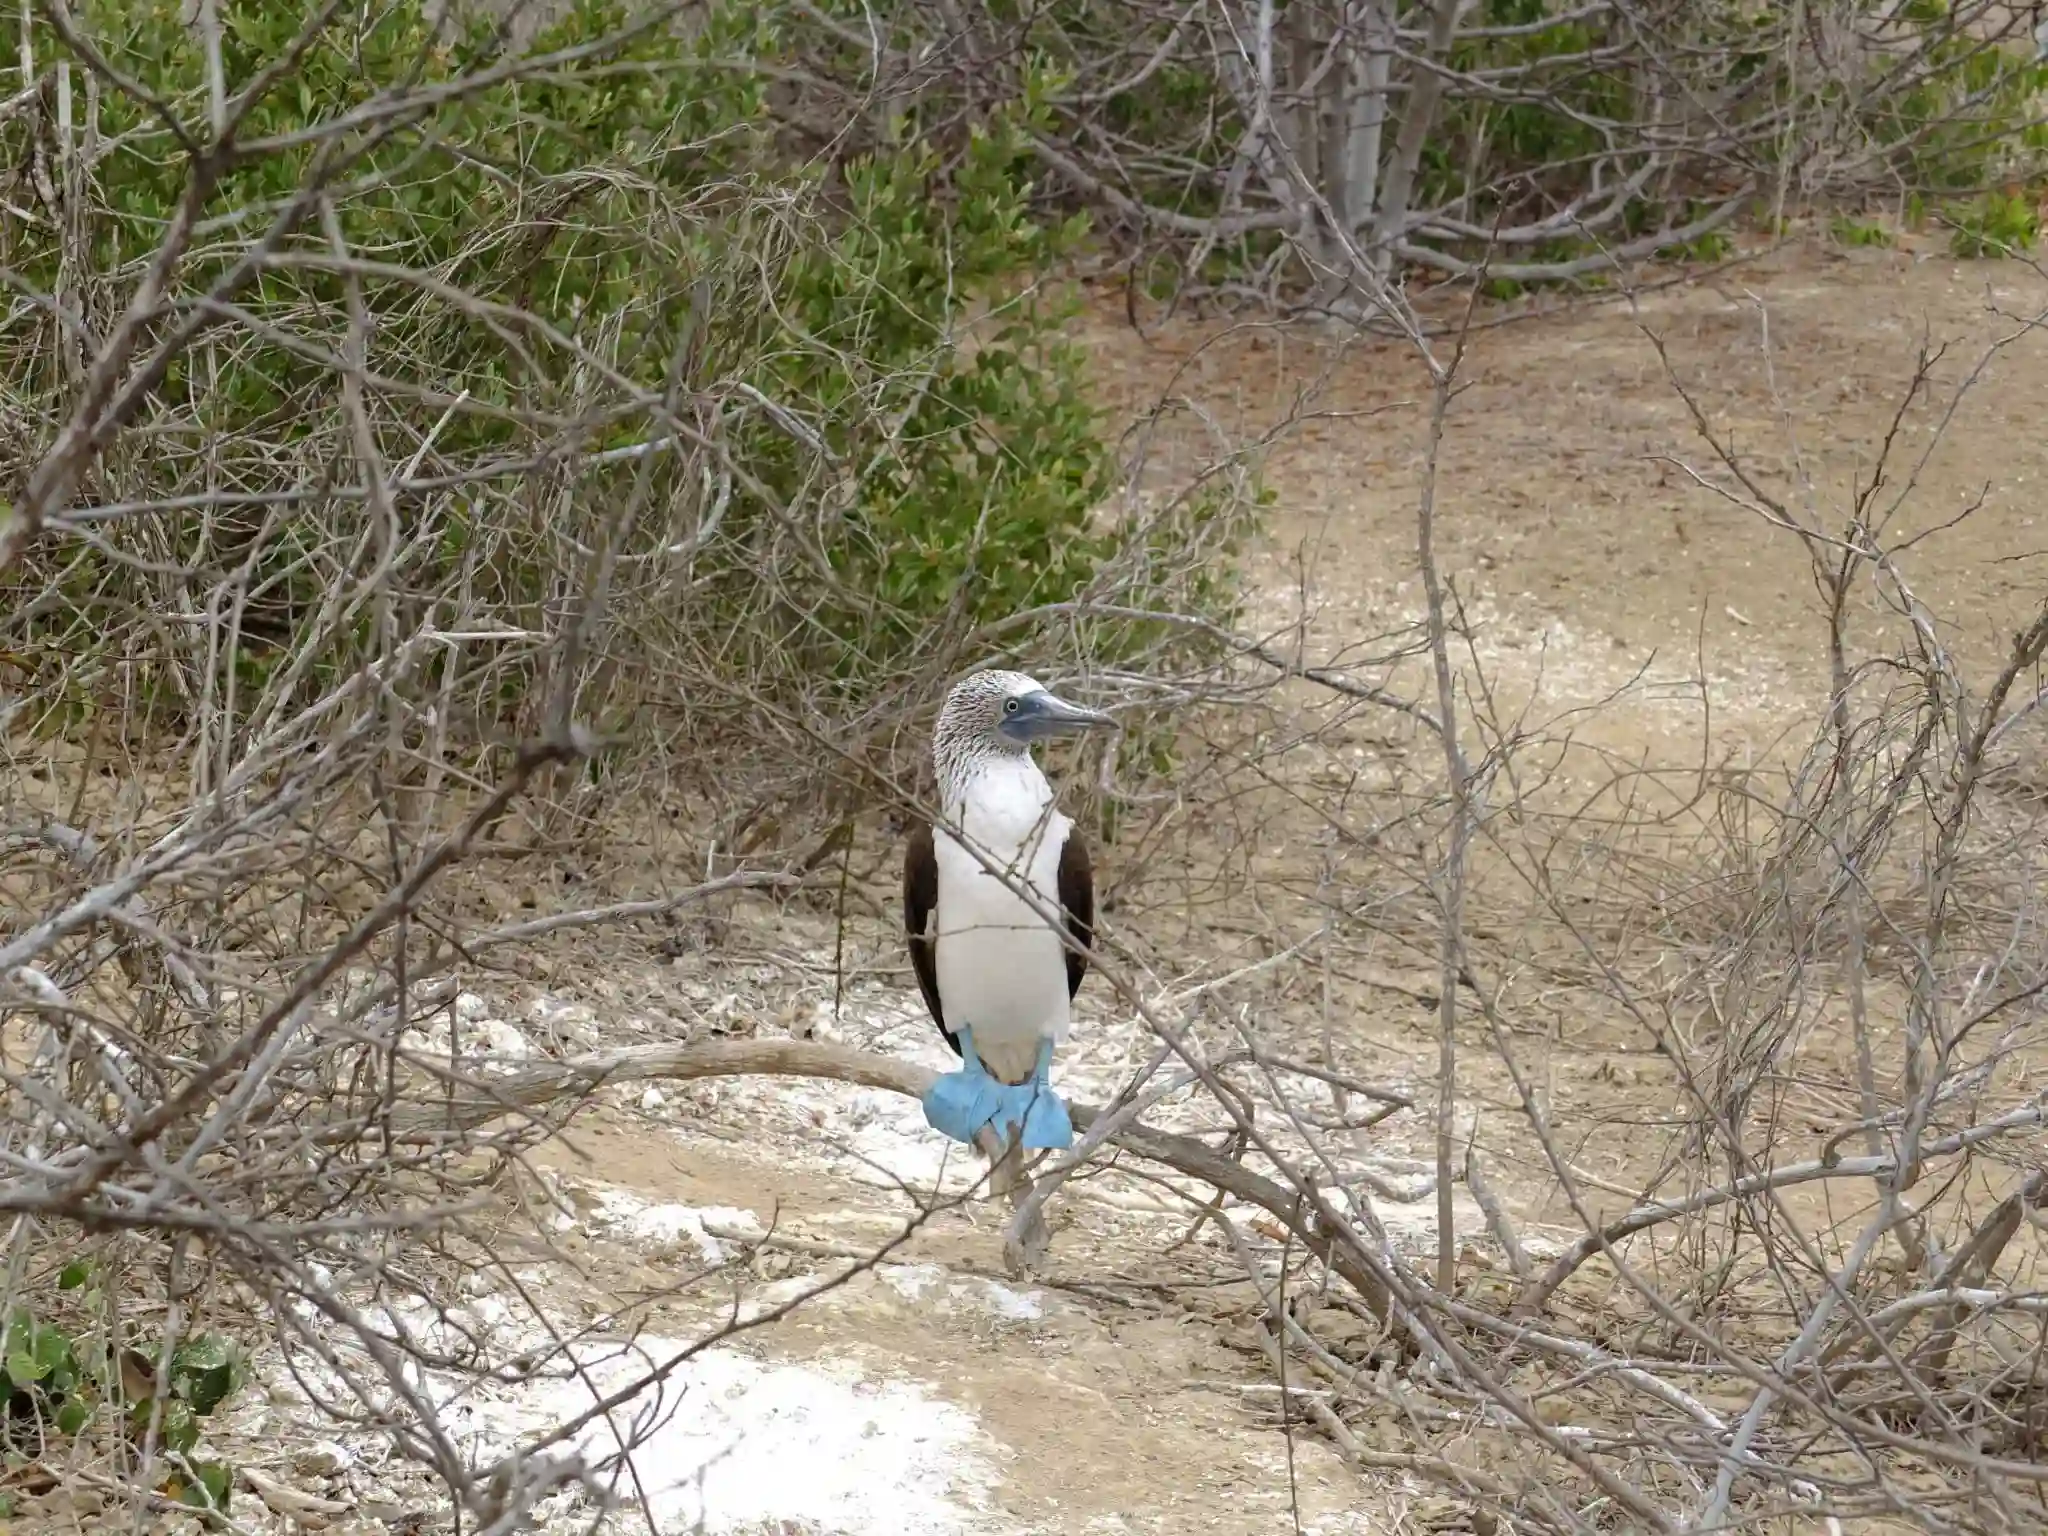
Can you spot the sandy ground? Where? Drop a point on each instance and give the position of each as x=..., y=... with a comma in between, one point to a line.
x=1565, y=504
x=1115, y=1393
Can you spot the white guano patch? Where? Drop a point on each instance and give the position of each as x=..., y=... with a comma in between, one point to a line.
x=730, y=1444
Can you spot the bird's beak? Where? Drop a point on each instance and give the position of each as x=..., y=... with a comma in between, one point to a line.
x=1042, y=715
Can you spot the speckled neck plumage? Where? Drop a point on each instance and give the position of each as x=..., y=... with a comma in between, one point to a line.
x=966, y=736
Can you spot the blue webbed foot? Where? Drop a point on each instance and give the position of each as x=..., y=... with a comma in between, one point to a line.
x=1046, y=1122
x=1041, y=1113
x=961, y=1103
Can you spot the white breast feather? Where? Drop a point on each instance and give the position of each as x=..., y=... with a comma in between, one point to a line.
x=1002, y=967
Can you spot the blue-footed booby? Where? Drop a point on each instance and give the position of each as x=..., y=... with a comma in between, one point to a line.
x=995, y=973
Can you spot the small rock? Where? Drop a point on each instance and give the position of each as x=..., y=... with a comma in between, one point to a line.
x=501, y=1039
x=652, y=1101
x=323, y=1459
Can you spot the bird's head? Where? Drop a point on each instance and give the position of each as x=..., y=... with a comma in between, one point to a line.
x=989, y=712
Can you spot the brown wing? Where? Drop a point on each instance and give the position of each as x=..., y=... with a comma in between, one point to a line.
x=1077, y=896
x=920, y=901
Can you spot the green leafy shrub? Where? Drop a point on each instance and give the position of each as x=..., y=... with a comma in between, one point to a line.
x=1860, y=233
x=972, y=470
x=2000, y=224
x=902, y=434
x=1534, y=147
x=61, y=1380
x=1970, y=114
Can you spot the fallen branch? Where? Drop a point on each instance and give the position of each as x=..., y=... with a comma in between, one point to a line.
x=476, y=1104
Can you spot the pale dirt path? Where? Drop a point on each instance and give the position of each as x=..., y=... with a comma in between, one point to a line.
x=1578, y=548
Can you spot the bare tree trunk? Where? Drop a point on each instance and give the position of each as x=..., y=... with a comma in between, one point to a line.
x=1333, y=106
x=1266, y=143
x=1425, y=92
x=1297, y=105
x=1298, y=112
x=1367, y=115
x=1351, y=103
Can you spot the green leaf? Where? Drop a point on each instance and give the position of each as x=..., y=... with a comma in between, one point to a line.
x=207, y=1390
x=52, y=1350
x=22, y=1367
x=207, y=1352
x=205, y=1369
x=180, y=1430
x=212, y=1482
x=73, y=1416
x=75, y=1274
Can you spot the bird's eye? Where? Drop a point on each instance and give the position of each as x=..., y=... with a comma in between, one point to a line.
x=1009, y=706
